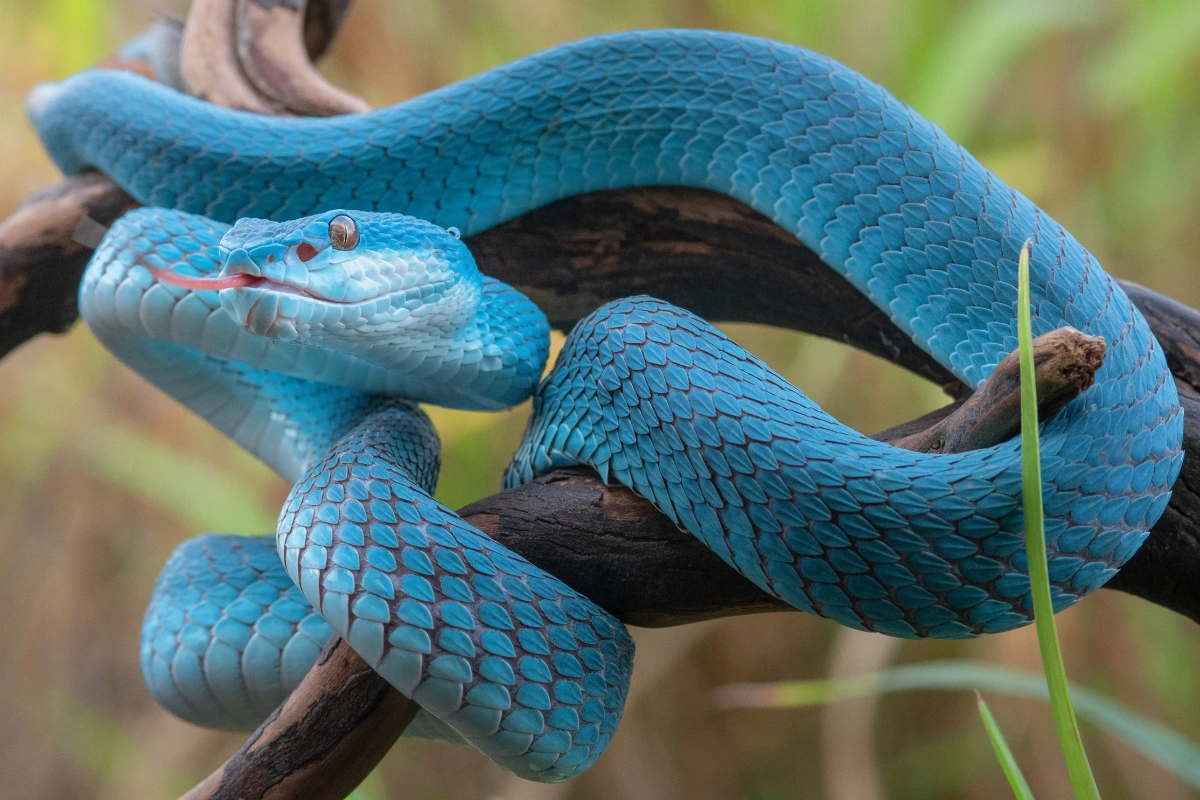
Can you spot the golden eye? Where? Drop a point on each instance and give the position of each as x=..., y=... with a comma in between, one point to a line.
x=343, y=232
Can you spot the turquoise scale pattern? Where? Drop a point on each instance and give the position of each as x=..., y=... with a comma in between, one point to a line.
x=215, y=650
x=504, y=654
x=227, y=635
x=903, y=543
x=837, y=524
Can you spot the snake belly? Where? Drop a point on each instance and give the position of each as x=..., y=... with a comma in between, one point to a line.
x=908, y=544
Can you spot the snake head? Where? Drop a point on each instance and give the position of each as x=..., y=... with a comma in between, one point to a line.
x=352, y=281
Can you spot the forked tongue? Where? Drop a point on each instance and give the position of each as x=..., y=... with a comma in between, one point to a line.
x=238, y=281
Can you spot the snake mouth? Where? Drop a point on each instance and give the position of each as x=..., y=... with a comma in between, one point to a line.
x=238, y=280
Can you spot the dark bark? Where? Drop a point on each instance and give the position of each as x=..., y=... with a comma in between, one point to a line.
x=1166, y=568
x=626, y=556
x=46, y=244
x=43, y=252
x=325, y=738
x=688, y=247
x=1065, y=363
x=322, y=20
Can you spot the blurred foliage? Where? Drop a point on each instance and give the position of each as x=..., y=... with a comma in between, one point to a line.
x=1158, y=743
x=1008, y=762
x=1089, y=108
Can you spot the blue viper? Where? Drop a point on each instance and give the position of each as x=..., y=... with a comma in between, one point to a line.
x=310, y=348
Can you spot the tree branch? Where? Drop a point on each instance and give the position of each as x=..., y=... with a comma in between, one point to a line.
x=1166, y=568
x=688, y=246
x=322, y=21
x=1066, y=362
x=43, y=252
x=582, y=252
x=270, y=49
x=629, y=558
x=250, y=55
x=325, y=738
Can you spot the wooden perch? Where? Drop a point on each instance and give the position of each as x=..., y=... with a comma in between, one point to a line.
x=1166, y=568
x=270, y=49
x=43, y=252
x=1066, y=362
x=688, y=246
x=325, y=738
x=250, y=55
x=626, y=556
x=576, y=254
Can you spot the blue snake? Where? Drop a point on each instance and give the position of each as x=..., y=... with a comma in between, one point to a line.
x=343, y=296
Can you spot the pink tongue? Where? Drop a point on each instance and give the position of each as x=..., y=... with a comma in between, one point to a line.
x=239, y=281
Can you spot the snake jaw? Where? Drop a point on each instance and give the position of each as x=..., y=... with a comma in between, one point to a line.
x=263, y=311
x=403, y=281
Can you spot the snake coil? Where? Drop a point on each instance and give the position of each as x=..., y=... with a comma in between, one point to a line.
x=310, y=347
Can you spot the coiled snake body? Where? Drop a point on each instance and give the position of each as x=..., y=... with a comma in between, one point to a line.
x=309, y=342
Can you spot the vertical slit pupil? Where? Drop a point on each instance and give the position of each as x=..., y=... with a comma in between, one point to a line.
x=343, y=232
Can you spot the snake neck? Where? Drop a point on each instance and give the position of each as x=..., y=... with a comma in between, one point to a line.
x=514, y=338
x=395, y=431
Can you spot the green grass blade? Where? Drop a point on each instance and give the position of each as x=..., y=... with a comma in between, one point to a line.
x=1175, y=753
x=1004, y=755
x=1069, y=739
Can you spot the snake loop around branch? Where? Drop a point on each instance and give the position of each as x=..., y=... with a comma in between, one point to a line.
x=299, y=348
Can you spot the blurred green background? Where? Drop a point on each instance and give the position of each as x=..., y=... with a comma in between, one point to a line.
x=1090, y=108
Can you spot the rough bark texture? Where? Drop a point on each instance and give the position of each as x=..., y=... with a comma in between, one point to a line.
x=271, y=50
x=1065, y=361
x=688, y=247
x=46, y=244
x=626, y=556
x=42, y=256
x=703, y=251
x=325, y=738
x=251, y=55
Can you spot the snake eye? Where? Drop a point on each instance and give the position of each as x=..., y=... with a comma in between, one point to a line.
x=343, y=232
